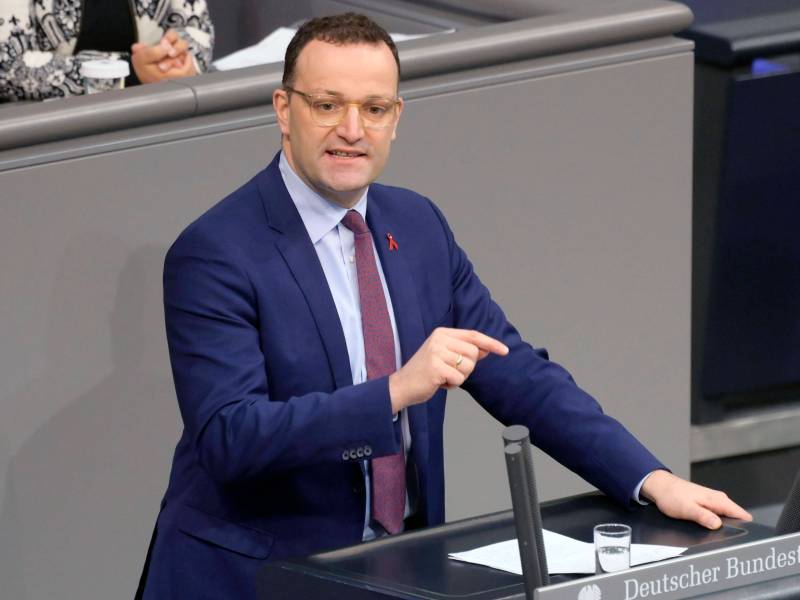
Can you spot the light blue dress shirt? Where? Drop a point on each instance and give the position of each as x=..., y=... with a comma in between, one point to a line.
x=335, y=247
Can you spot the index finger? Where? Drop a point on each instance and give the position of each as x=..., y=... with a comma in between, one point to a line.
x=171, y=36
x=180, y=46
x=726, y=507
x=704, y=517
x=484, y=343
x=175, y=46
x=154, y=53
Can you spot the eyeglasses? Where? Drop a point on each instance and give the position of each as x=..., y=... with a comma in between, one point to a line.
x=328, y=110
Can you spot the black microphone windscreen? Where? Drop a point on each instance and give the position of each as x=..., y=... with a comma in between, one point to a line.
x=789, y=521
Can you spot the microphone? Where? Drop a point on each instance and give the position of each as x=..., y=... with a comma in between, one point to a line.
x=525, y=502
x=789, y=521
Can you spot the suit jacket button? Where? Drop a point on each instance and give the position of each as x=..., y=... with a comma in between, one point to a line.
x=367, y=451
x=353, y=454
x=360, y=452
x=345, y=455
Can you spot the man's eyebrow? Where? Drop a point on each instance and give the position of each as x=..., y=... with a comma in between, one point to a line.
x=340, y=95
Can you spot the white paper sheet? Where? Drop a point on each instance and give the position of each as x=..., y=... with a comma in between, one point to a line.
x=564, y=555
x=273, y=48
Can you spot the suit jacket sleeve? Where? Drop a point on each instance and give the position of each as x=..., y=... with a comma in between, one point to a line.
x=525, y=387
x=220, y=374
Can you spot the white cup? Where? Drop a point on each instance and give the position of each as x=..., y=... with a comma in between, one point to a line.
x=104, y=75
x=612, y=547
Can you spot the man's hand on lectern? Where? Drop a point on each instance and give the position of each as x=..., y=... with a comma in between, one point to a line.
x=682, y=499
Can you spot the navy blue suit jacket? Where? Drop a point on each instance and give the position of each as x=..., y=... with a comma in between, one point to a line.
x=264, y=468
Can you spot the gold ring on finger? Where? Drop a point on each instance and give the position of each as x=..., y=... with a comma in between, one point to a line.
x=459, y=360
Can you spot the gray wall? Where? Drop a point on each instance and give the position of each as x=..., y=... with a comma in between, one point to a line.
x=578, y=218
x=567, y=179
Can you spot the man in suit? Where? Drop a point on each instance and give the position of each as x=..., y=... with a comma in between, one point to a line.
x=315, y=322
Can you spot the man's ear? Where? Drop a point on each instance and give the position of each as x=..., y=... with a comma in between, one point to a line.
x=397, y=120
x=280, y=103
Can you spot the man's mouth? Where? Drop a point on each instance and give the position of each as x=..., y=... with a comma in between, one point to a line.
x=345, y=154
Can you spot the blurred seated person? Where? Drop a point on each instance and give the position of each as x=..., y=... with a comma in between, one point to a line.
x=44, y=42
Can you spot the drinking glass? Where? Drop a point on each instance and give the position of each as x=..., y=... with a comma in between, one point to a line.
x=612, y=545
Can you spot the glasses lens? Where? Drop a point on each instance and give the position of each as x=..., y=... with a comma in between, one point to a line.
x=377, y=113
x=327, y=110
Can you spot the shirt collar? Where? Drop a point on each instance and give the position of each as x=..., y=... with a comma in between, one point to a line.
x=318, y=214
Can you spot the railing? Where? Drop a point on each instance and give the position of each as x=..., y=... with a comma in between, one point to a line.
x=577, y=28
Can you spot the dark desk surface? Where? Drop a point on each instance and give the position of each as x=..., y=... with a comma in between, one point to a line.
x=415, y=565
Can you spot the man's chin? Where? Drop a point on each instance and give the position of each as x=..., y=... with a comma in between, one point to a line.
x=347, y=186
x=345, y=194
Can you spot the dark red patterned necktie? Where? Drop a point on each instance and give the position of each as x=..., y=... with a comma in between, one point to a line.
x=388, y=472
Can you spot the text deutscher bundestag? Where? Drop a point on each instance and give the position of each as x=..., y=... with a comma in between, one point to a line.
x=731, y=568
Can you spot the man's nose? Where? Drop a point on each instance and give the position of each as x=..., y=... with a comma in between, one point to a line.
x=351, y=128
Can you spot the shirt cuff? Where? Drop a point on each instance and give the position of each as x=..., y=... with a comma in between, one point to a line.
x=637, y=491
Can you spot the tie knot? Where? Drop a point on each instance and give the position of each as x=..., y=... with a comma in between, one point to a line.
x=355, y=222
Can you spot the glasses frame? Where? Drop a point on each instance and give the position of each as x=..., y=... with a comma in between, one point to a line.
x=309, y=98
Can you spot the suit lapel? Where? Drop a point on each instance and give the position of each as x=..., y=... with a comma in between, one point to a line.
x=301, y=258
x=407, y=313
x=297, y=250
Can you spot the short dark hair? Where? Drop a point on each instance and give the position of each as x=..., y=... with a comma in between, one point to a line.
x=346, y=28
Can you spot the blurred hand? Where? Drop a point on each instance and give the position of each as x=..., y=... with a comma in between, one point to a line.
x=445, y=360
x=682, y=499
x=168, y=59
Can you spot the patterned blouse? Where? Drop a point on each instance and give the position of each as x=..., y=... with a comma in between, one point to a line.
x=38, y=37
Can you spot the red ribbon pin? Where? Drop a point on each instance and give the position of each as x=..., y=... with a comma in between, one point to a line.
x=392, y=242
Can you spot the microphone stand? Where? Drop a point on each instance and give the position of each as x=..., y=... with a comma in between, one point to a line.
x=525, y=502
